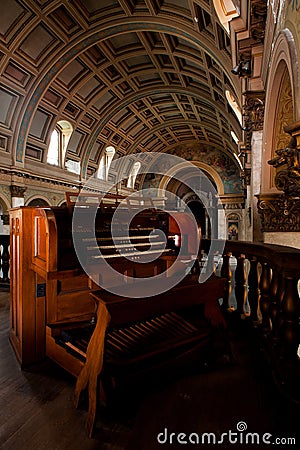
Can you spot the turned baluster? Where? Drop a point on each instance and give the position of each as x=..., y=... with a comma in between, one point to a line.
x=253, y=293
x=5, y=260
x=240, y=285
x=279, y=297
x=264, y=288
x=274, y=305
x=290, y=317
x=226, y=272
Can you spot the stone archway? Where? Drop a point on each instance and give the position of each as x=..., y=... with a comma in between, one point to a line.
x=282, y=86
x=4, y=216
x=38, y=202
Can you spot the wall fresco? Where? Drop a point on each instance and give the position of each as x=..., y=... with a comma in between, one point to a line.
x=221, y=163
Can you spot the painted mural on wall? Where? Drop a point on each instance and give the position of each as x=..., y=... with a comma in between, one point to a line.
x=223, y=164
x=233, y=227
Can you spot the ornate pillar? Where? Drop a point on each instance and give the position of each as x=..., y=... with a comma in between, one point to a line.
x=253, y=113
x=256, y=152
x=17, y=195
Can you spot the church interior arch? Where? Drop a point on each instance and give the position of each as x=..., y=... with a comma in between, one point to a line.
x=281, y=87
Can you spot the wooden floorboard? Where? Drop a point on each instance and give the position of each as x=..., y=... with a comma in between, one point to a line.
x=37, y=412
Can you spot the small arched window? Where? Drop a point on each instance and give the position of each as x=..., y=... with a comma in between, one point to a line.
x=105, y=162
x=53, y=150
x=133, y=173
x=58, y=143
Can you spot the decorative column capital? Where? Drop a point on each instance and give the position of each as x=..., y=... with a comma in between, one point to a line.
x=17, y=191
x=279, y=213
x=246, y=177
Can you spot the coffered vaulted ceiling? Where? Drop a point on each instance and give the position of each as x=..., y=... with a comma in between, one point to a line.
x=141, y=75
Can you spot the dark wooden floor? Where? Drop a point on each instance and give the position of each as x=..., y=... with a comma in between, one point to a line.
x=36, y=409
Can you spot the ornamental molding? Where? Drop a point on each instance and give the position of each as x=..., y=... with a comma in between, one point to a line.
x=258, y=20
x=17, y=191
x=234, y=206
x=24, y=177
x=287, y=164
x=279, y=213
x=231, y=202
x=254, y=110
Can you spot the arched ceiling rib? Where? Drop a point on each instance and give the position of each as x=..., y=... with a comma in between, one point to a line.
x=142, y=75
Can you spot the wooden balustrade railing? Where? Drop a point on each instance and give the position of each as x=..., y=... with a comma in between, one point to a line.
x=4, y=261
x=264, y=280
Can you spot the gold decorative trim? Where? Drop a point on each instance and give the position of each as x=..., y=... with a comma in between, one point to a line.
x=279, y=213
x=287, y=164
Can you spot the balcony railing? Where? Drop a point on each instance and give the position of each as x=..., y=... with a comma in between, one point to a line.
x=263, y=289
x=4, y=261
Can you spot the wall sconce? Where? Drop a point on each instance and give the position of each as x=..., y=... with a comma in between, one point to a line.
x=242, y=69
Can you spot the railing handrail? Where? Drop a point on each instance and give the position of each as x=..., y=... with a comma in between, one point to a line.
x=266, y=291
x=281, y=257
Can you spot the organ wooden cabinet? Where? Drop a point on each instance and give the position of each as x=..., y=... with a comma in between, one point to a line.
x=49, y=288
x=100, y=336
x=47, y=285
x=27, y=305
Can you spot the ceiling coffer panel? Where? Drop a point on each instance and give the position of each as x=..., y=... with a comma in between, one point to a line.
x=142, y=75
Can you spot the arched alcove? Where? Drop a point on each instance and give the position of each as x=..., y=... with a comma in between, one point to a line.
x=168, y=180
x=197, y=190
x=4, y=217
x=233, y=226
x=38, y=201
x=282, y=86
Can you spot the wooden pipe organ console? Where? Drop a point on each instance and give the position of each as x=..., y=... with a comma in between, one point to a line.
x=55, y=303
x=48, y=284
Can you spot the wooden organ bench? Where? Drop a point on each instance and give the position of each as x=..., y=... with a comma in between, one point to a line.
x=134, y=337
